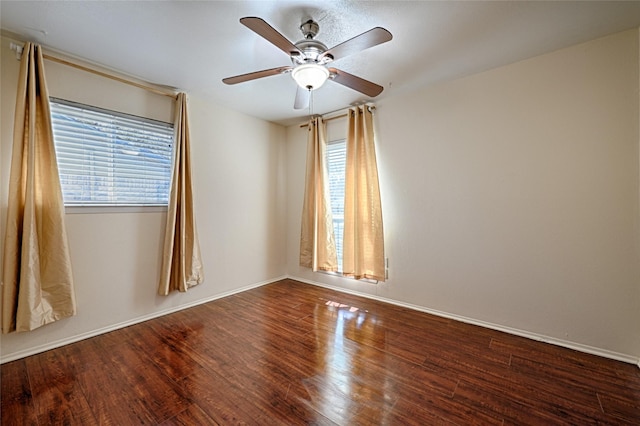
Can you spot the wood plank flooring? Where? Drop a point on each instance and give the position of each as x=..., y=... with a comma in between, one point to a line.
x=289, y=353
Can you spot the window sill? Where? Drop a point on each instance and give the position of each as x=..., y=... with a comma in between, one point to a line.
x=339, y=275
x=114, y=209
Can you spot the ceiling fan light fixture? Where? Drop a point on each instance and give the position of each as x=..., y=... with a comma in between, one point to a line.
x=310, y=76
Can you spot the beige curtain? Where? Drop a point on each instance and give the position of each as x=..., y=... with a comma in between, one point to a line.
x=363, y=243
x=181, y=260
x=317, y=243
x=37, y=279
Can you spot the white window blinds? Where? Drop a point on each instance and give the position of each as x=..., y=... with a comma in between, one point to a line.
x=336, y=161
x=107, y=158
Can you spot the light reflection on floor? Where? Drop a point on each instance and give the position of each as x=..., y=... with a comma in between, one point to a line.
x=342, y=389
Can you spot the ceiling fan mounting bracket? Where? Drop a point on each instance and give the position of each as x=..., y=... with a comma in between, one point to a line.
x=309, y=29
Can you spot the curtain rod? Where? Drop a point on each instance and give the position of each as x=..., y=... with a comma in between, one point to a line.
x=110, y=76
x=371, y=108
x=18, y=49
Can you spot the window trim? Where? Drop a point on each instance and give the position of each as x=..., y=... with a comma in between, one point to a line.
x=125, y=207
x=343, y=142
x=96, y=209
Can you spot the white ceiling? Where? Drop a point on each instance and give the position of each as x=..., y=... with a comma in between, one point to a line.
x=193, y=45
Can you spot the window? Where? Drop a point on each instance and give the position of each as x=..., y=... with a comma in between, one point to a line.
x=336, y=161
x=107, y=158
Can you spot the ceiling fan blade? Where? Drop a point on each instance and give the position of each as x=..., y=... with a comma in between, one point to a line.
x=356, y=83
x=302, y=98
x=254, y=75
x=373, y=37
x=266, y=31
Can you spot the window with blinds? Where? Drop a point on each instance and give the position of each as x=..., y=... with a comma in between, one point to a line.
x=336, y=161
x=107, y=158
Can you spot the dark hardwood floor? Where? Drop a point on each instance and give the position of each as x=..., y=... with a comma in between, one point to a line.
x=290, y=353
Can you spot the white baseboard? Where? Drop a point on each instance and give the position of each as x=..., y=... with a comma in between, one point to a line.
x=534, y=336
x=72, y=339
x=522, y=333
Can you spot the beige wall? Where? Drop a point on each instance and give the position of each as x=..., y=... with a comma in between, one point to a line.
x=237, y=165
x=511, y=198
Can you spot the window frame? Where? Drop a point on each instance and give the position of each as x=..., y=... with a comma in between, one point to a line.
x=338, y=236
x=113, y=206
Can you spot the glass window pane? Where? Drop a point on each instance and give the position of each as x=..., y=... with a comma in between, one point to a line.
x=336, y=162
x=110, y=158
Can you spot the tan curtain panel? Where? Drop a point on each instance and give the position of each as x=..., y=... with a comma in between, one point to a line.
x=181, y=259
x=37, y=279
x=363, y=243
x=317, y=243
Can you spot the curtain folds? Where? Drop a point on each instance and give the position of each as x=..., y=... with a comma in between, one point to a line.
x=37, y=278
x=363, y=241
x=181, y=259
x=317, y=242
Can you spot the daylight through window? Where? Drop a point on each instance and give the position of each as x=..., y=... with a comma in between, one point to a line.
x=107, y=158
x=336, y=161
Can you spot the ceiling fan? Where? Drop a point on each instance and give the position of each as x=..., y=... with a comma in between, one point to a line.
x=310, y=59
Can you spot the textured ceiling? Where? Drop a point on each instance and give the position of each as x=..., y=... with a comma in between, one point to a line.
x=193, y=45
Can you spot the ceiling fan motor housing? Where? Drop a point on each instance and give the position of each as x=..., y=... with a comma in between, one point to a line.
x=312, y=50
